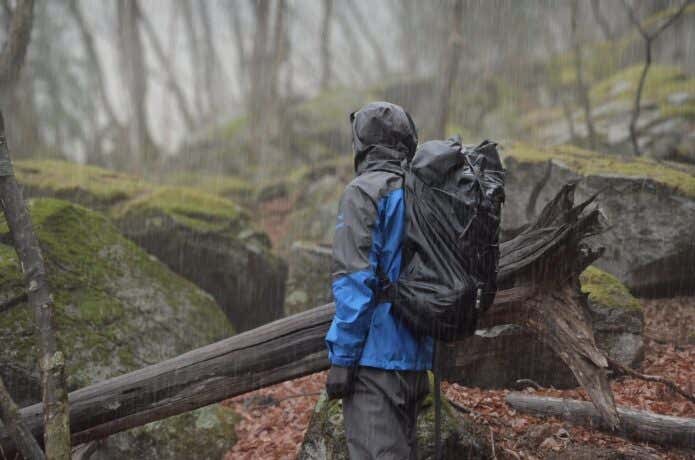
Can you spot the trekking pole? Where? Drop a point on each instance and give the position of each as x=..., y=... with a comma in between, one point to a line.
x=437, y=404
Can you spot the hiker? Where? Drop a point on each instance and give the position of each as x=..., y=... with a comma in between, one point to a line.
x=378, y=366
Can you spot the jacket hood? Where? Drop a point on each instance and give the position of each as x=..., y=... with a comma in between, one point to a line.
x=382, y=133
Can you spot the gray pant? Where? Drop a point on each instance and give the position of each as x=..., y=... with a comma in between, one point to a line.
x=381, y=414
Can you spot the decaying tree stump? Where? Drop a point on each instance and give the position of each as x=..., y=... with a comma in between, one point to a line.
x=539, y=289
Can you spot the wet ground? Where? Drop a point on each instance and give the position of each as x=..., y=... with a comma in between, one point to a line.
x=274, y=419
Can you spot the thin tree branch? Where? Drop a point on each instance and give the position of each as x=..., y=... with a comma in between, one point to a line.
x=13, y=302
x=90, y=49
x=52, y=362
x=9, y=414
x=173, y=85
x=15, y=49
x=623, y=370
x=648, y=39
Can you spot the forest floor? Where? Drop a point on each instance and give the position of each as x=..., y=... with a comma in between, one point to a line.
x=273, y=420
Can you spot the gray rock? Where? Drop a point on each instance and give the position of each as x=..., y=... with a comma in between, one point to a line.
x=325, y=436
x=117, y=310
x=212, y=243
x=204, y=434
x=499, y=356
x=679, y=98
x=309, y=280
x=652, y=226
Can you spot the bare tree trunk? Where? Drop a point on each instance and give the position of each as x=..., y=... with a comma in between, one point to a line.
x=258, y=76
x=16, y=428
x=580, y=88
x=601, y=20
x=406, y=27
x=196, y=66
x=326, y=24
x=360, y=75
x=279, y=49
x=212, y=69
x=15, y=48
x=52, y=361
x=93, y=57
x=172, y=83
x=135, y=78
x=366, y=32
x=648, y=39
x=238, y=31
x=450, y=64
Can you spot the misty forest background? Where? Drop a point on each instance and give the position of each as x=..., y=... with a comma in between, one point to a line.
x=184, y=159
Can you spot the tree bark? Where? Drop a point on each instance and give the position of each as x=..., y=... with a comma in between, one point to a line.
x=638, y=425
x=196, y=66
x=52, y=361
x=580, y=87
x=326, y=25
x=648, y=40
x=258, y=79
x=93, y=57
x=238, y=31
x=601, y=20
x=214, y=91
x=450, y=65
x=134, y=73
x=373, y=42
x=172, y=83
x=20, y=434
x=537, y=262
x=15, y=48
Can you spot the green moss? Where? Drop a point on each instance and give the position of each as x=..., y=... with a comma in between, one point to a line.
x=192, y=208
x=330, y=108
x=587, y=163
x=105, y=289
x=661, y=82
x=606, y=290
x=230, y=131
x=230, y=187
x=88, y=185
x=604, y=58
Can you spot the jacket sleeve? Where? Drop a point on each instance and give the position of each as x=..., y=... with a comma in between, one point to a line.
x=354, y=277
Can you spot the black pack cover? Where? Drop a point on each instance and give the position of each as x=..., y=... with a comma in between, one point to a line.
x=453, y=198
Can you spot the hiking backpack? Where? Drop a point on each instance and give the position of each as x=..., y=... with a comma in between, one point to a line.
x=453, y=198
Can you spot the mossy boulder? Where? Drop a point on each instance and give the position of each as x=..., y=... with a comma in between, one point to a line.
x=649, y=205
x=117, y=309
x=310, y=276
x=665, y=125
x=207, y=433
x=325, y=436
x=90, y=186
x=316, y=196
x=499, y=356
x=202, y=236
x=211, y=241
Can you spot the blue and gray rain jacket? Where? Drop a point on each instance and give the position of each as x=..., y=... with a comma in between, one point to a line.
x=368, y=239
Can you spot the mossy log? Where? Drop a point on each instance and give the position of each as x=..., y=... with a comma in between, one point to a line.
x=635, y=424
x=539, y=289
x=52, y=361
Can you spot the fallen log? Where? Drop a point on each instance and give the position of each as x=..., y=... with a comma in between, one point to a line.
x=635, y=424
x=539, y=289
